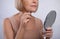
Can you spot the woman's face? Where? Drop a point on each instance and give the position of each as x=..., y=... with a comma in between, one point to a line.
x=30, y=5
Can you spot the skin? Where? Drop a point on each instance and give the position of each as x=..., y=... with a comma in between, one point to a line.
x=27, y=22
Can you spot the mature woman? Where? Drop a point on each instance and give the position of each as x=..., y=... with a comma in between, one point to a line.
x=23, y=25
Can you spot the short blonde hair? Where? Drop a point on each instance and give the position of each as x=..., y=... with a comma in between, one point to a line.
x=19, y=5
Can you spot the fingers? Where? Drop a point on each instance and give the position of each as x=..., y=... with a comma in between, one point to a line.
x=48, y=29
x=27, y=13
x=49, y=32
x=26, y=17
x=26, y=21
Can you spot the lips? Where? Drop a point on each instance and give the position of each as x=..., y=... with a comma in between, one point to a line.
x=33, y=6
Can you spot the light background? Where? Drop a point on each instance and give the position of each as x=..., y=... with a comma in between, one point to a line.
x=8, y=9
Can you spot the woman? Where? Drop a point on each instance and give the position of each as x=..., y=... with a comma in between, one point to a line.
x=23, y=25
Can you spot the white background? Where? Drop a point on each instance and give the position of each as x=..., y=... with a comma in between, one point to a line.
x=7, y=9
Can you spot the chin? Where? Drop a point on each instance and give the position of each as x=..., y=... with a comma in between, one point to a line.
x=33, y=10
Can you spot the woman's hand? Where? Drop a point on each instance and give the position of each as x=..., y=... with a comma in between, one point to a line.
x=49, y=32
x=25, y=18
x=27, y=21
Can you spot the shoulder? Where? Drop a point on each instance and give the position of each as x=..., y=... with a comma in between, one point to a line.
x=6, y=20
x=6, y=23
x=39, y=23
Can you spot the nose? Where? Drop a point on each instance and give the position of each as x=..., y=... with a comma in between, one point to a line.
x=35, y=1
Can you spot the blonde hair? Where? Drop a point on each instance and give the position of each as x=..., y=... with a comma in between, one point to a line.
x=19, y=5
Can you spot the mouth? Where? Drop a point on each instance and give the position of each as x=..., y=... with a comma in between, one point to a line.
x=34, y=6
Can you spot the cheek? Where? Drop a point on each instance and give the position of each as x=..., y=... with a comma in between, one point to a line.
x=27, y=3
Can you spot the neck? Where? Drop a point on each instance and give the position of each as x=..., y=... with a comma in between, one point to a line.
x=26, y=12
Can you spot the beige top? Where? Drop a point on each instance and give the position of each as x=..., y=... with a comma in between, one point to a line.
x=28, y=34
